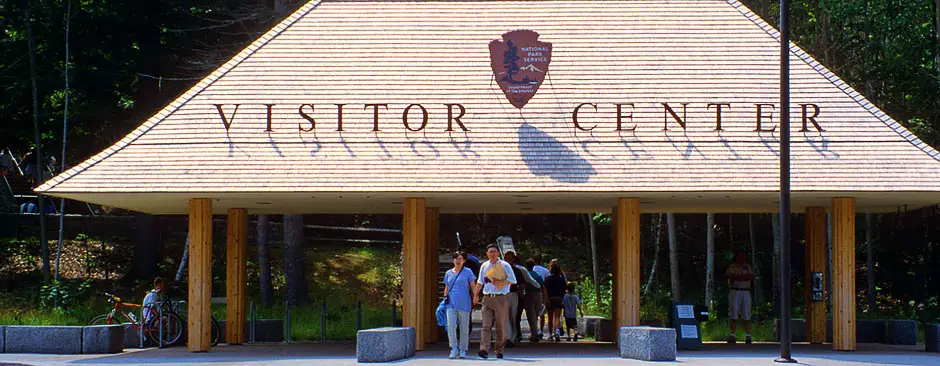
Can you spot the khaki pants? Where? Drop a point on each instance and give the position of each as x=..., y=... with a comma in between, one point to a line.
x=495, y=312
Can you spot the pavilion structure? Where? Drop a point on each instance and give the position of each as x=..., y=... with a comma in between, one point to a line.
x=406, y=107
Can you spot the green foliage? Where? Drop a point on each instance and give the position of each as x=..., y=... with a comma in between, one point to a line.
x=589, y=298
x=63, y=295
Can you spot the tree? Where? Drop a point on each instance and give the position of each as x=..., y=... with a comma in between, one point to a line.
x=592, y=231
x=710, y=259
x=775, y=222
x=752, y=243
x=870, y=261
x=673, y=256
x=657, y=238
x=264, y=262
x=297, y=292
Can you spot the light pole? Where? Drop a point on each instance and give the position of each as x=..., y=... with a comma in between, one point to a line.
x=784, y=184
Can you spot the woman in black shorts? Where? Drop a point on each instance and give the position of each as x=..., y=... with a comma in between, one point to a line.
x=555, y=286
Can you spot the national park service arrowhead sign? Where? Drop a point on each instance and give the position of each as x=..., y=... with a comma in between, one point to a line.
x=520, y=63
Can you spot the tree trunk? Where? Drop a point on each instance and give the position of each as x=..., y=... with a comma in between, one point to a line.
x=38, y=171
x=765, y=10
x=145, y=248
x=870, y=261
x=936, y=34
x=776, y=259
x=297, y=292
x=657, y=237
x=710, y=259
x=183, y=262
x=673, y=256
x=752, y=243
x=592, y=232
x=264, y=262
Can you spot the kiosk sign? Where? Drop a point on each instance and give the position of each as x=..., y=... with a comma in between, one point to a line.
x=520, y=64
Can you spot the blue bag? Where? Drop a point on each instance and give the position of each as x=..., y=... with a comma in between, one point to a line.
x=441, y=312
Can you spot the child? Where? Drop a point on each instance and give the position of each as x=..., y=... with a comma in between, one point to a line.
x=572, y=302
x=153, y=298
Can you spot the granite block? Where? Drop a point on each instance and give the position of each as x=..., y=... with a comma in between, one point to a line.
x=266, y=331
x=385, y=344
x=932, y=338
x=648, y=343
x=131, y=337
x=797, y=330
x=588, y=325
x=97, y=339
x=44, y=339
x=866, y=331
x=901, y=332
x=3, y=332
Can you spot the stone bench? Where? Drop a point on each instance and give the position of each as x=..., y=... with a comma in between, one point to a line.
x=866, y=330
x=588, y=325
x=65, y=340
x=98, y=339
x=932, y=338
x=797, y=330
x=648, y=343
x=266, y=330
x=3, y=333
x=385, y=344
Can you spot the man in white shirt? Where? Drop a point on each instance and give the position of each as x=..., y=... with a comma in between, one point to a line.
x=739, y=276
x=494, y=279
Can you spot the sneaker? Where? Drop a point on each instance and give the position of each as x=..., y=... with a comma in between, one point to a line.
x=747, y=339
x=483, y=354
x=462, y=354
x=499, y=356
x=453, y=353
x=732, y=339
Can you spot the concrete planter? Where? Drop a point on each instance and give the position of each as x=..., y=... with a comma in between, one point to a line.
x=648, y=343
x=588, y=325
x=3, y=333
x=385, y=344
x=901, y=332
x=44, y=339
x=266, y=331
x=932, y=337
x=98, y=339
x=797, y=330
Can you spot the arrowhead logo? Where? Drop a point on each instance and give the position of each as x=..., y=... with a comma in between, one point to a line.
x=520, y=64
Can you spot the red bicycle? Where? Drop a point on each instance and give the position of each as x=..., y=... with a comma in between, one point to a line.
x=150, y=328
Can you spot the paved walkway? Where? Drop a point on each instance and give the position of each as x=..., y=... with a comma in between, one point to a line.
x=566, y=354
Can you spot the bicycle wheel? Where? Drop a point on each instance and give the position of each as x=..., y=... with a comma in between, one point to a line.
x=216, y=332
x=102, y=320
x=172, y=329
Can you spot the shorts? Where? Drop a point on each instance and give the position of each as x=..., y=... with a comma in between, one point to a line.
x=739, y=303
x=555, y=303
x=571, y=323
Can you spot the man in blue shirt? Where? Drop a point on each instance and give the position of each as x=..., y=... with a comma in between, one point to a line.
x=494, y=280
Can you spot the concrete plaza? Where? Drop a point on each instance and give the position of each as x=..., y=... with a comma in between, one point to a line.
x=567, y=354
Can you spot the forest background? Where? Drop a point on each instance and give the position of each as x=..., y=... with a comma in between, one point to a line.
x=127, y=59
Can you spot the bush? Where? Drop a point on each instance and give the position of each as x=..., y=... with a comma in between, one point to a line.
x=64, y=295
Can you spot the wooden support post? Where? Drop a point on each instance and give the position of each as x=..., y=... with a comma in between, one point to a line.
x=236, y=270
x=627, y=257
x=815, y=262
x=413, y=268
x=843, y=274
x=200, y=274
x=432, y=235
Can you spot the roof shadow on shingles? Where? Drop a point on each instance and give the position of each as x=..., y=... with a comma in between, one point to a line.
x=839, y=83
x=180, y=101
x=547, y=157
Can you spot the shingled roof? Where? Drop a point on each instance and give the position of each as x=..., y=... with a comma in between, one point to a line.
x=435, y=53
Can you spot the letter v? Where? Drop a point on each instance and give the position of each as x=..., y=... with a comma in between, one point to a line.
x=227, y=122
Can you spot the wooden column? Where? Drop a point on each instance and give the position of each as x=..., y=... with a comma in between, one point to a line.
x=843, y=274
x=815, y=262
x=236, y=261
x=200, y=274
x=614, y=236
x=432, y=239
x=627, y=257
x=414, y=312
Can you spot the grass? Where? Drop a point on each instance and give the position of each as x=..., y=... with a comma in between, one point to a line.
x=718, y=330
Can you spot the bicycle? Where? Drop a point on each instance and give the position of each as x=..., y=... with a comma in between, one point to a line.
x=179, y=307
x=171, y=324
